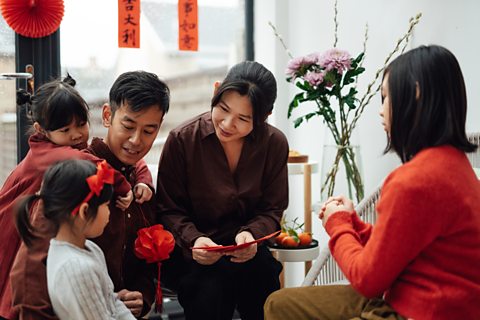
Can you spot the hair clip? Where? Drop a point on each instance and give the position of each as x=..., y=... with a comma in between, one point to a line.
x=96, y=182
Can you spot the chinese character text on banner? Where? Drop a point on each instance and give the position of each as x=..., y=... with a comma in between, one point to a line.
x=129, y=23
x=188, y=25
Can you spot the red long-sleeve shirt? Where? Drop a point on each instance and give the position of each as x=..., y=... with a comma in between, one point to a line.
x=423, y=253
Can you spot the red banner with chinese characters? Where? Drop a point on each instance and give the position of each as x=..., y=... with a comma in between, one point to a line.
x=129, y=23
x=188, y=25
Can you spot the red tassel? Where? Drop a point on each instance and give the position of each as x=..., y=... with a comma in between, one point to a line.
x=154, y=244
x=159, y=296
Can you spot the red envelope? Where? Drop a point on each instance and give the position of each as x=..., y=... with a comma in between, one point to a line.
x=237, y=246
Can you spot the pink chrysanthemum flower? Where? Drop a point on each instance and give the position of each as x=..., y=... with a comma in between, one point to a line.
x=297, y=63
x=335, y=59
x=314, y=78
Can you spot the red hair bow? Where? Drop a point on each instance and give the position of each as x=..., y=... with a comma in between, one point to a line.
x=96, y=182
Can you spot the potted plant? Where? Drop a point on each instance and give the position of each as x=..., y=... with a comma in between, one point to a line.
x=329, y=80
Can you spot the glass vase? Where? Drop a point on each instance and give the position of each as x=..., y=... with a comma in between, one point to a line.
x=342, y=172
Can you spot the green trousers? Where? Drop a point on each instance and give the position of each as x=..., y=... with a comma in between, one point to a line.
x=336, y=302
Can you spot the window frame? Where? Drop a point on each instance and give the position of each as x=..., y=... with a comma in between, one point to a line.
x=44, y=55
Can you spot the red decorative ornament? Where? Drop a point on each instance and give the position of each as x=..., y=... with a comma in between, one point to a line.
x=96, y=182
x=33, y=18
x=154, y=244
x=104, y=176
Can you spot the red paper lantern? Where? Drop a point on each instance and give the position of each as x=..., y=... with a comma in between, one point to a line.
x=154, y=244
x=33, y=18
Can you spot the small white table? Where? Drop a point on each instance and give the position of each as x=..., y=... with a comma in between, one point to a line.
x=296, y=254
x=309, y=254
x=306, y=169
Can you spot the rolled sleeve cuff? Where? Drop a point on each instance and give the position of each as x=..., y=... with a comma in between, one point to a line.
x=336, y=220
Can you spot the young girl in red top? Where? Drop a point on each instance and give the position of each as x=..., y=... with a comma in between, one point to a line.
x=421, y=259
x=60, y=124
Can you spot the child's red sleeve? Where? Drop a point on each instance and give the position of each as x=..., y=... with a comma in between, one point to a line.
x=143, y=174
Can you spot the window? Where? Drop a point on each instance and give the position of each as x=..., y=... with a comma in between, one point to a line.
x=8, y=147
x=91, y=55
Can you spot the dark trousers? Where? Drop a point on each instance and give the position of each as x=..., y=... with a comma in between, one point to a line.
x=213, y=292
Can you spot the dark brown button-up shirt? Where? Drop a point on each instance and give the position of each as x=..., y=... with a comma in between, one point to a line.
x=126, y=270
x=197, y=194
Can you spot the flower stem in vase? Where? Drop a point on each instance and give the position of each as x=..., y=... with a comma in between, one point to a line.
x=348, y=157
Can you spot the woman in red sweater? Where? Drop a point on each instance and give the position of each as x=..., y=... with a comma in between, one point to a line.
x=421, y=259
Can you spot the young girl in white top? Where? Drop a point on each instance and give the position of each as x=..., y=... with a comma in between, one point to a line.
x=75, y=197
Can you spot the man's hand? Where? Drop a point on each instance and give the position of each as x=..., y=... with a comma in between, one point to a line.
x=133, y=300
x=142, y=193
x=124, y=202
x=203, y=256
x=245, y=254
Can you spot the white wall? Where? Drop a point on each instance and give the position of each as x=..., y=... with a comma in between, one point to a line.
x=307, y=26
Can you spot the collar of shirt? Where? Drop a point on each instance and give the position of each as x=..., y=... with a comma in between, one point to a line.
x=101, y=150
x=39, y=139
x=206, y=125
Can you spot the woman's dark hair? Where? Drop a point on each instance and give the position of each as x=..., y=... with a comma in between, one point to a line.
x=55, y=104
x=64, y=187
x=253, y=80
x=140, y=90
x=437, y=116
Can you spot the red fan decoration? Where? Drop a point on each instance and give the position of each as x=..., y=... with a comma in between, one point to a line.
x=154, y=244
x=33, y=18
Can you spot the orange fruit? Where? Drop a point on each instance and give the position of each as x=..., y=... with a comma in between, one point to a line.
x=280, y=237
x=305, y=238
x=290, y=242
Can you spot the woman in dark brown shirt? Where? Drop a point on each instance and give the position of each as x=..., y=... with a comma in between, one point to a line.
x=222, y=180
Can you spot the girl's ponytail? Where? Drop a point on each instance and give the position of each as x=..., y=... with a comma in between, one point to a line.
x=69, y=80
x=22, y=219
x=23, y=97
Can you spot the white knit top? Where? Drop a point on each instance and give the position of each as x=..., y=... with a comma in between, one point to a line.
x=78, y=283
